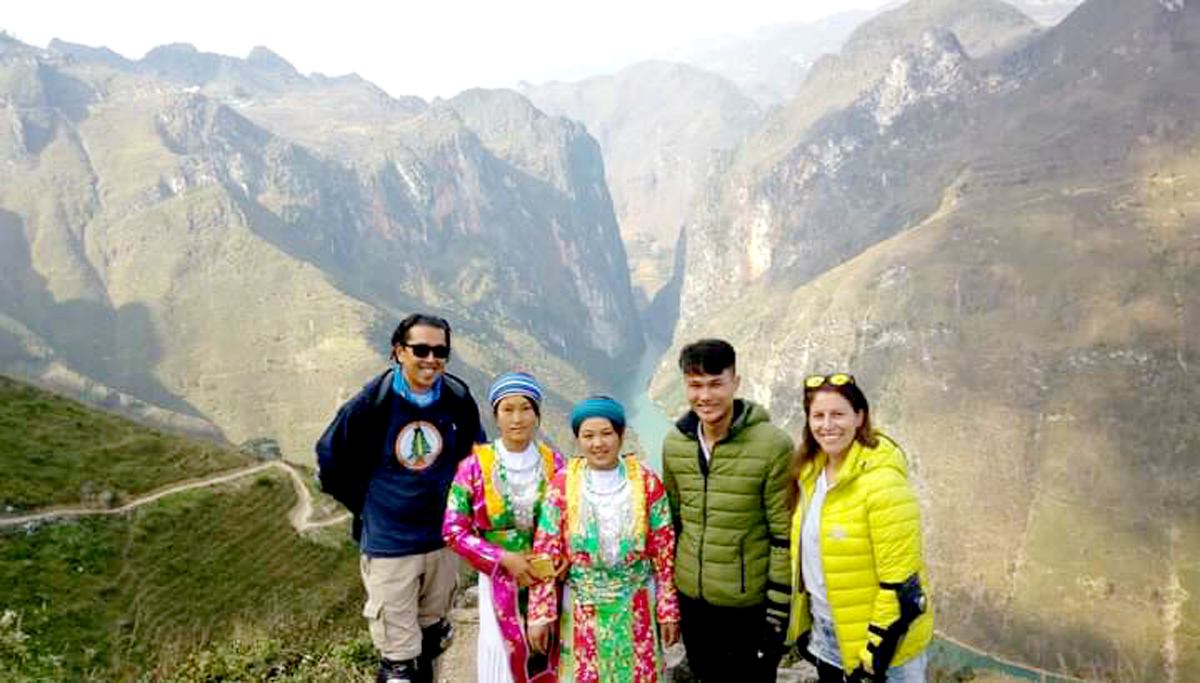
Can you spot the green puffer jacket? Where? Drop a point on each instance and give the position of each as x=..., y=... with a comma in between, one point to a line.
x=731, y=515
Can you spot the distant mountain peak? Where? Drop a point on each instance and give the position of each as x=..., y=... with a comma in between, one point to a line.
x=261, y=72
x=506, y=100
x=101, y=54
x=265, y=58
x=170, y=49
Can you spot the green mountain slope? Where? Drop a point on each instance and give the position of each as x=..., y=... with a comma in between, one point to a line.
x=146, y=592
x=58, y=452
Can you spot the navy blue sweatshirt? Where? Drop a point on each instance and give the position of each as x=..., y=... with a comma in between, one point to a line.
x=398, y=461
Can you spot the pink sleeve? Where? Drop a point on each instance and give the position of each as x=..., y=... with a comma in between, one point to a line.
x=459, y=528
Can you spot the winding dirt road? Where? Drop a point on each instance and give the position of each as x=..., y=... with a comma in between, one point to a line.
x=300, y=515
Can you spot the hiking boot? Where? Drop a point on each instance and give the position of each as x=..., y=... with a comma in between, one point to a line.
x=397, y=672
x=436, y=639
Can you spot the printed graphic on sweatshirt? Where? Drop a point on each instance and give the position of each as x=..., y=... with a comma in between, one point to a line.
x=418, y=445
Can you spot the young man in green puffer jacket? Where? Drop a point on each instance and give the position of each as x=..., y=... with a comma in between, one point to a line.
x=725, y=467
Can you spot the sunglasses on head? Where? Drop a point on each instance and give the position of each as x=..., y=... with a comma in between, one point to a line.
x=837, y=379
x=423, y=350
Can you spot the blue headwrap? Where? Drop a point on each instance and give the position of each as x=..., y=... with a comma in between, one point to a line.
x=515, y=384
x=597, y=406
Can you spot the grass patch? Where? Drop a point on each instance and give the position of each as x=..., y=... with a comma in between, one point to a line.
x=274, y=660
x=55, y=451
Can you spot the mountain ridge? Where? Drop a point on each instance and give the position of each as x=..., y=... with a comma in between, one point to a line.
x=186, y=249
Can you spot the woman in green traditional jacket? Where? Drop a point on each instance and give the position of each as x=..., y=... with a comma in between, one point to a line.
x=606, y=516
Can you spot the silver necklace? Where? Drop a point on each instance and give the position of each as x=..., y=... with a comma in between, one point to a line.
x=522, y=478
x=608, y=503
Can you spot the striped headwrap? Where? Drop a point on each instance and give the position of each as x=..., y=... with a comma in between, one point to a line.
x=515, y=384
x=598, y=406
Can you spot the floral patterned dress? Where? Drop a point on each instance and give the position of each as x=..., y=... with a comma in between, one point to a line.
x=617, y=536
x=491, y=510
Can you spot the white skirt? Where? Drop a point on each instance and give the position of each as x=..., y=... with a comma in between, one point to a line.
x=491, y=659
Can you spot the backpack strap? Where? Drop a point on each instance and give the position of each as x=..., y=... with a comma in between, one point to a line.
x=456, y=386
x=385, y=383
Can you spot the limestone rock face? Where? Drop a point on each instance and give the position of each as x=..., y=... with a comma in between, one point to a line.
x=1004, y=252
x=862, y=172
x=231, y=241
x=554, y=161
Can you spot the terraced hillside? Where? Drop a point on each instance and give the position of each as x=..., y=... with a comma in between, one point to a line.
x=156, y=590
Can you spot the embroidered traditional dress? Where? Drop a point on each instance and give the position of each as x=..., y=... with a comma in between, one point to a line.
x=493, y=507
x=615, y=529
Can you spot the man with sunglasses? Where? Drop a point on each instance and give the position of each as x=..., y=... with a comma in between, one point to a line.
x=725, y=467
x=390, y=456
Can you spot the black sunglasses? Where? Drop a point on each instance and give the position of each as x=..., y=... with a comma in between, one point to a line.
x=423, y=350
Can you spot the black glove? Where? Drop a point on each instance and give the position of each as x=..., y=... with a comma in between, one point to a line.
x=770, y=648
x=775, y=632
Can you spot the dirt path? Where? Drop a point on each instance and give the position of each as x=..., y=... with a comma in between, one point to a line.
x=300, y=515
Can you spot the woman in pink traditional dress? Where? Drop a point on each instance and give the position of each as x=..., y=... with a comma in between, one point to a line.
x=608, y=517
x=491, y=512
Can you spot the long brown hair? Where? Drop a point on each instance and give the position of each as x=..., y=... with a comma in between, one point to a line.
x=808, y=449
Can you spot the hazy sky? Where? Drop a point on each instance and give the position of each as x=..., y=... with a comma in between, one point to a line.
x=426, y=48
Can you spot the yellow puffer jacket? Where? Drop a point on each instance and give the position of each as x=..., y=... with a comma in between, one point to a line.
x=870, y=534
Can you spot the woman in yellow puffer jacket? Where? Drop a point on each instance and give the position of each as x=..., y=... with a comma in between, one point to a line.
x=859, y=602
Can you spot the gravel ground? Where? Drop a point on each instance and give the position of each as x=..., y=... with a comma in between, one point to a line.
x=458, y=664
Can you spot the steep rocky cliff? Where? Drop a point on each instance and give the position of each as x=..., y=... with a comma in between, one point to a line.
x=848, y=176
x=659, y=124
x=172, y=231
x=1005, y=253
